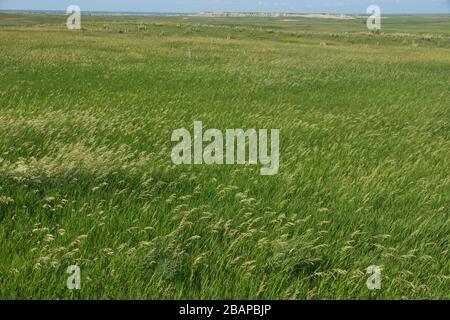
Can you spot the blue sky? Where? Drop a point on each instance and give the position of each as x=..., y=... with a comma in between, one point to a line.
x=342, y=6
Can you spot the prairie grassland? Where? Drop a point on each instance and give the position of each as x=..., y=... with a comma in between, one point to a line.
x=86, y=176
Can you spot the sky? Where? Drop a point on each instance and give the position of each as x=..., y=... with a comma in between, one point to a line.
x=191, y=6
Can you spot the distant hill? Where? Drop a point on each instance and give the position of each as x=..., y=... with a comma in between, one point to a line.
x=275, y=14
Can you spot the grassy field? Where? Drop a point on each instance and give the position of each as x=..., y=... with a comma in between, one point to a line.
x=86, y=176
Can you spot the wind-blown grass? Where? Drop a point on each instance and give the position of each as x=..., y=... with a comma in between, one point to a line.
x=86, y=176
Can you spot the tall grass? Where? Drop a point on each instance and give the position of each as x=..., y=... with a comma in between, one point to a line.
x=86, y=176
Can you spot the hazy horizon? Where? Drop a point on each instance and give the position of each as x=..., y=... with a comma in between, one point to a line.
x=195, y=6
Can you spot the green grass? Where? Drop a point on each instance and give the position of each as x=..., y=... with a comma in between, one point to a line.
x=86, y=176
